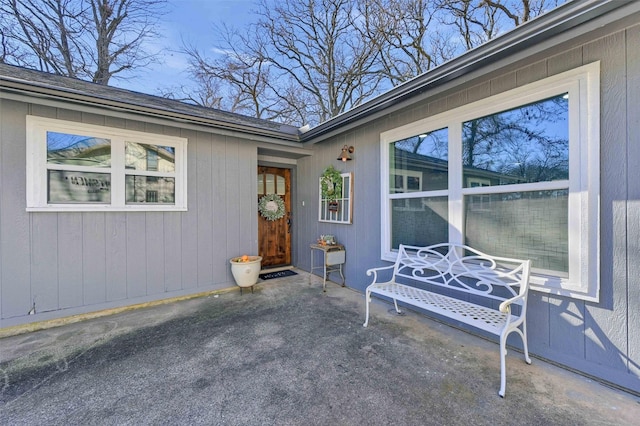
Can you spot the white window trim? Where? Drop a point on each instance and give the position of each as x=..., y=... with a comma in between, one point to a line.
x=346, y=199
x=37, y=128
x=583, y=86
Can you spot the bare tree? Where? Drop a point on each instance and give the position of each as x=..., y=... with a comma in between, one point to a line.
x=480, y=21
x=87, y=39
x=8, y=48
x=247, y=75
x=303, y=62
x=413, y=36
x=306, y=61
x=314, y=43
x=402, y=32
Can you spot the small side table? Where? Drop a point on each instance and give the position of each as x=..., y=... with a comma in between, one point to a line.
x=334, y=257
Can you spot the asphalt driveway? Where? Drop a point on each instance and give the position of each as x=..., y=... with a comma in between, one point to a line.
x=286, y=354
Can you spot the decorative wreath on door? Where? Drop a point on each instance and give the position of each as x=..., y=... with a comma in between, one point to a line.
x=271, y=207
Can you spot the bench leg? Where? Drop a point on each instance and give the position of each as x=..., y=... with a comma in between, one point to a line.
x=503, y=367
x=524, y=342
x=503, y=353
x=395, y=303
x=367, y=300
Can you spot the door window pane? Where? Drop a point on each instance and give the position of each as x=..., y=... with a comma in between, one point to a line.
x=77, y=150
x=150, y=189
x=270, y=184
x=523, y=145
x=261, y=184
x=419, y=163
x=419, y=221
x=78, y=187
x=526, y=225
x=152, y=158
x=280, y=186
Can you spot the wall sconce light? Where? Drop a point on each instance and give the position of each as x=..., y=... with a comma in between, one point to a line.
x=344, y=155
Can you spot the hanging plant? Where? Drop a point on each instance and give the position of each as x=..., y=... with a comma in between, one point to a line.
x=271, y=207
x=331, y=184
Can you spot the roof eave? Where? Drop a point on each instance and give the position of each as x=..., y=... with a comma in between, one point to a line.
x=9, y=84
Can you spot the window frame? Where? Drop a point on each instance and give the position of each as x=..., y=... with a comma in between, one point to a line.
x=346, y=199
x=37, y=128
x=583, y=86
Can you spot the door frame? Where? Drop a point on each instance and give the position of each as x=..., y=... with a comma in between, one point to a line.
x=293, y=195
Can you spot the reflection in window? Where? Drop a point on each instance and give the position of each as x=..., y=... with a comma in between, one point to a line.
x=151, y=158
x=419, y=221
x=77, y=150
x=65, y=186
x=419, y=163
x=149, y=189
x=528, y=225
x=523, y=179
x=522, y=145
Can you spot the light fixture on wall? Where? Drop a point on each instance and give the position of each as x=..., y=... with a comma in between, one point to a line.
x=344, y=155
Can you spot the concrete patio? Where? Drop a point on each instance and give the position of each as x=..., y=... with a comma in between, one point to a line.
x=286, y=354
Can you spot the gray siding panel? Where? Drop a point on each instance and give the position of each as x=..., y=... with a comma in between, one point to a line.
x=248, y=217
x=189, y=220
x=538, y=326
x=94, y=265
x=633, y=201
x=225, y=205
x=633, y=283
x=155, y=241
x=503, y=83
x=172, y=252
x=136, y=255
x=566, y=317
x=14, y=223
x=605, y=325
x=531, y=73
x=204, y=211
x=44, y=262
x=116, y=256
x=70, y=259
x=565, y=61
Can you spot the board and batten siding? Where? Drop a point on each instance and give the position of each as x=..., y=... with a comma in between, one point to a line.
x=599, y=339
x=70, y=263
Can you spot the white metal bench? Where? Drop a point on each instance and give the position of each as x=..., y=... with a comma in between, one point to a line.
x=461, y=283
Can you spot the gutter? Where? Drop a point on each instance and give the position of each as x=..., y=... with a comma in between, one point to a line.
x=558, y=21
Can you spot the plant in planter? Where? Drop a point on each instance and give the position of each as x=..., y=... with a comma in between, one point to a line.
x=331, y=186
x=245, y=270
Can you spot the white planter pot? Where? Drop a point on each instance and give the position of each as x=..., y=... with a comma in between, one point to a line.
x=246, y=272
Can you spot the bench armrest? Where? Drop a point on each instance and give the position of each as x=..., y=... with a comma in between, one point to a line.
x=374, y=272
x=505, y=307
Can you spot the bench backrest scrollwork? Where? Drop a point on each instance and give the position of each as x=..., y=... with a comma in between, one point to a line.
x=463, y=268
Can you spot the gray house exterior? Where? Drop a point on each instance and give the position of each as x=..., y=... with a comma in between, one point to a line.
x=583, y=310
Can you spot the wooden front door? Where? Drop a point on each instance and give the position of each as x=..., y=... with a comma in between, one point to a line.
x=274, y=236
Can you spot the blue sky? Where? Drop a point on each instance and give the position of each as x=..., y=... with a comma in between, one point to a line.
x=191, y=21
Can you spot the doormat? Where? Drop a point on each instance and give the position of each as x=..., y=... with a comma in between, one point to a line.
x=278, y=274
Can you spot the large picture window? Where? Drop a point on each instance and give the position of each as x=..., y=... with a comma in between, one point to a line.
x=514, y=175
x=80, y=167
